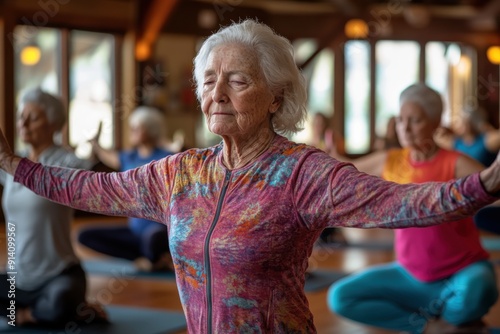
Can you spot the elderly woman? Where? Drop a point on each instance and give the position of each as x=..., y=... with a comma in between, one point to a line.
x=143, y=241
x=441, y=272
x=243, y=215
x=479, y=140
x=474, y=136
x=50, y=283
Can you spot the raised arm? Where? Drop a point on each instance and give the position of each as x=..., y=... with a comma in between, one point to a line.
x=8, y=161
x=110, y=158
x=493, y=140
x=140, y=192
x=444, y=137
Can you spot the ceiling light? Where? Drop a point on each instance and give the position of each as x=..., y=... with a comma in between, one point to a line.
x=30, y=55
x=356, y=29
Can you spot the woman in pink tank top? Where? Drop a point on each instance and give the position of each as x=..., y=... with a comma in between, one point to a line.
x=441, y=281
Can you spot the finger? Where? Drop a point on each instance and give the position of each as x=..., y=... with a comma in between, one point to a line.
x=99, y=129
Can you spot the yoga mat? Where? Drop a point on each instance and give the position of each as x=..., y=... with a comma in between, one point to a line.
x=320, y=279
x=494, y=330
x=123, y=320
x=121, y=268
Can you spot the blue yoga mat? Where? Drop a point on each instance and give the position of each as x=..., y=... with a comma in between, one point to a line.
x=123, y=320
x=121, y=268
x=494, y=330
x=320, y=279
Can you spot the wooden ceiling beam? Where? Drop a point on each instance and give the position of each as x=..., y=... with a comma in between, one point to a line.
x=155, y=18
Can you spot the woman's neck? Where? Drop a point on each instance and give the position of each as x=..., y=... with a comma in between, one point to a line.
x=35, y=151
x=237, y=155
x=424, y=153
x=145, y=150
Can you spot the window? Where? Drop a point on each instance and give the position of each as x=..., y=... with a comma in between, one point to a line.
x=319, y=75
x=37, y=62
x=88, y=80
x=449, y=68
x=91, y=95
x=397, y=67
x=357, y=94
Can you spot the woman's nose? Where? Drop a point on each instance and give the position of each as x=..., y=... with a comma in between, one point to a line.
x=22, y=122
x=219, y=93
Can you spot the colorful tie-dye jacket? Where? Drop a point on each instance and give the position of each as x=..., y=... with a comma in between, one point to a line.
x=240, y=239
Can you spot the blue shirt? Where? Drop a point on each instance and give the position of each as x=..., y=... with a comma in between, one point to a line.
x=476, y=150
x=130, y=160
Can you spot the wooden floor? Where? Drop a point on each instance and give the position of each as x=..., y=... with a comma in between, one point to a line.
x=163, y=294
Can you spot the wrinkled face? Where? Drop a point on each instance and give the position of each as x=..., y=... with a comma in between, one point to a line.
x=33, y=127
x=236, y=100
x=414, y=127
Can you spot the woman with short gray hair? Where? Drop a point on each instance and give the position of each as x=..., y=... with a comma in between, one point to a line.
x=51, y=284
x=443, y=266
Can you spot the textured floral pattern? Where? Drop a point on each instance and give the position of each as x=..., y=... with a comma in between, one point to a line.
x=241, y=239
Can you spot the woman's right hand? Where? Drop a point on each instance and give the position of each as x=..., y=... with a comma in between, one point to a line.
x=490, y=177
x=8, y=161
x=95, y=140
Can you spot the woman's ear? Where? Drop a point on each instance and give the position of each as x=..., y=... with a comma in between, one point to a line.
x=275, y=104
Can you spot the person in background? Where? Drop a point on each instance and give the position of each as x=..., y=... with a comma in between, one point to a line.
x=244, y=215
x=471, y=135
x=143, y=241
x=323, y=137
x=474, y=136
x=50, y=282
x=390, y=140
x=442, y=281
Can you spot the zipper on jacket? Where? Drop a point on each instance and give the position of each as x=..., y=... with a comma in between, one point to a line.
x=207, y=251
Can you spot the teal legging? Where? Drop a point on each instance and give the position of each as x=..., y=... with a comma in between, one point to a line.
x=388, y=296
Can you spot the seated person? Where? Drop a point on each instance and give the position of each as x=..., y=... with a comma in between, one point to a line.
x=441, y=281
x=323, y=137
x=142, y=241
x=50, y=283
x=474, y=136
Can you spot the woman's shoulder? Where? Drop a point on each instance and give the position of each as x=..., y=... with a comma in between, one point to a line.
x=285, y=146
x=63, y=157
x=194, y=154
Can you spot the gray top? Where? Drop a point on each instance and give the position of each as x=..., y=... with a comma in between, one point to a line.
x=42, y=228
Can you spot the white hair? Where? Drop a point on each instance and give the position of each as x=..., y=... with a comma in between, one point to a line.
x=152, y=120
x=51, y=105
x=275, y=56
x=427, y=98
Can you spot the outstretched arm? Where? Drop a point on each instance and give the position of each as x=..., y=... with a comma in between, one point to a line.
x=140, y=192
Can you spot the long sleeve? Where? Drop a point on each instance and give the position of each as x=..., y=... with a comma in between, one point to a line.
x=347, y=197
x=140, y=192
